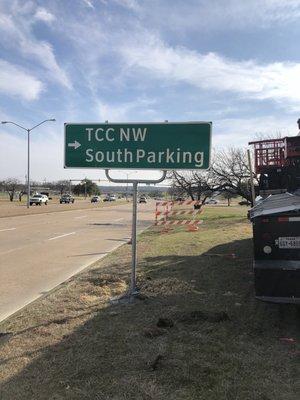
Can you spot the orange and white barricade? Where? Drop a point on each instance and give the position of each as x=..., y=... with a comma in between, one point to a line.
x=165, y=209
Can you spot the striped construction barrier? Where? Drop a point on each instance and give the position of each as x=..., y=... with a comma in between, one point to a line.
x=178, y=203
x=179, y=222
x=164, y=203
x=161, y=217
x=176, y=212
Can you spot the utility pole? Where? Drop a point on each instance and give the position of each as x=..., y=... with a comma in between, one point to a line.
x=251, y=178
x=28, y=150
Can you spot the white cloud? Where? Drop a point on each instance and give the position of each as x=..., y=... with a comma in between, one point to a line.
x=218, y=15
x=43, y=52
x=128, y=111
x=268, y=11
x=15, y=82
x=11, y=156
x=113, y=56
x=16, y=34
x=240, y=131
x=131, y=4
x=44, y=15
x=278, y=81
x=116, y=113
x=88, y=3
x=46, y=155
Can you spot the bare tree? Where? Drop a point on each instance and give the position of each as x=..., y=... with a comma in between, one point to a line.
x=232, y=171
x=22, y=191
x=266, y=136
x=228, y=194
x=63, y=186
x=174, y=192
x=11, y=185
x=198, y=185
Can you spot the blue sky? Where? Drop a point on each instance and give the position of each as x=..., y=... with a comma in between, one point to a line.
x=233, y=62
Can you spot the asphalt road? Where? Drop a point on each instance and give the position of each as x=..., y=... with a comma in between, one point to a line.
x=38, y=252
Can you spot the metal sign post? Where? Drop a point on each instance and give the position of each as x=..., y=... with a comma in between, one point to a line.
x=133, y=289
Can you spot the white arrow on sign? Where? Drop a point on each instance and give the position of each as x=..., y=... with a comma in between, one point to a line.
x=75, y=144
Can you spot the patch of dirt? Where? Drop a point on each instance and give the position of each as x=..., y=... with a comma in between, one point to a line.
x=165, y=286
x=105, y=279
x=153, y=332
x=157, y=362
x=89, y=298
x=201, y=316
x=103, y=287
x=165, y=323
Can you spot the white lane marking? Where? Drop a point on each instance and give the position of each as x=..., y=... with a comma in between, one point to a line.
x=8, y=229
x=82, y=216
x=60, y=236
x=11, y=250
x=117, y=220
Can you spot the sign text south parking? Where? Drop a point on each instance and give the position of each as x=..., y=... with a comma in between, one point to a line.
x=138, y=146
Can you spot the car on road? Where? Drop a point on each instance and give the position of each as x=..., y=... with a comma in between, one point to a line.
x=110, y=197
x=95, y=199
x=47, y=194
x=38, y=199
x=66, y=198
x=211, y=201
x=142, y=199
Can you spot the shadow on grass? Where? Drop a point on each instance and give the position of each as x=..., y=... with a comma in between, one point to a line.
x=108, y=357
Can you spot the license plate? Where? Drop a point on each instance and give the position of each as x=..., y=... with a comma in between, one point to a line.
x=292, y=242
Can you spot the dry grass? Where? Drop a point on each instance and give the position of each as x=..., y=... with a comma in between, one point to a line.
x=224, y=345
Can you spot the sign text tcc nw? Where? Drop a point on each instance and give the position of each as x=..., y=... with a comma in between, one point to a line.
x=164, y=146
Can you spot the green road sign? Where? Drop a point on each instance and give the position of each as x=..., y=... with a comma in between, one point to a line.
x=165, y=146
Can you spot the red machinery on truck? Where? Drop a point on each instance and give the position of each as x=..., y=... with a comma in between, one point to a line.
x=276, y=220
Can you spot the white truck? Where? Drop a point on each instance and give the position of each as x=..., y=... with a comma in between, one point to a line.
x=38, y=199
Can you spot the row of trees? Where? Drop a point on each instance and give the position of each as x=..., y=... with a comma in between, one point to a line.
x=15, y=188
x=229, y=174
